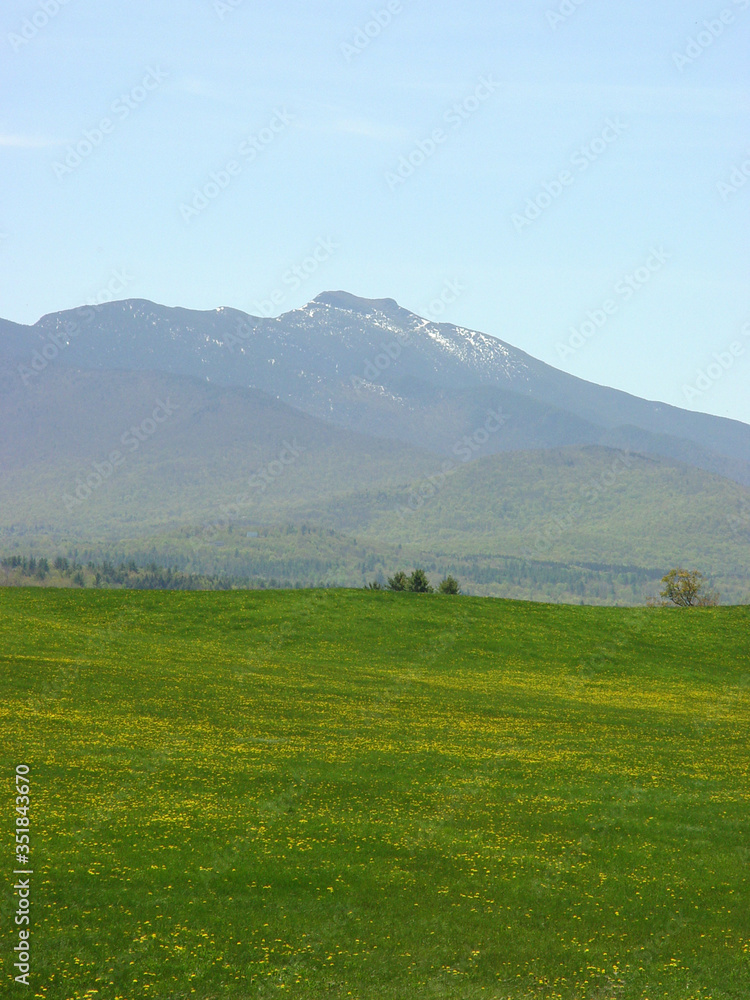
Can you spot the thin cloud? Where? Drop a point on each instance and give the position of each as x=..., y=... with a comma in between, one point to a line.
x=196, y=87
x=358, y=127
x=370, y=130
x=26, y=141
x=635, y=99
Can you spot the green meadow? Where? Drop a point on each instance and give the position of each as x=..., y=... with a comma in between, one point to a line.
x=347, y=794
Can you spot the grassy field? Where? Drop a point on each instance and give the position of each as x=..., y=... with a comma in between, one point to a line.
x=344, y=794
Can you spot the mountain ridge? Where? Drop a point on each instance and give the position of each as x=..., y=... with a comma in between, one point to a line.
x=371, y=365
x=140, y=430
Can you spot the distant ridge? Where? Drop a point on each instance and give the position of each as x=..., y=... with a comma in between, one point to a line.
x=370, y=366
x=359, y=436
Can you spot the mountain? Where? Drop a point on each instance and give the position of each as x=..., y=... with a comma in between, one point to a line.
x=350, y=437
x=373, y=367
x=118, y=451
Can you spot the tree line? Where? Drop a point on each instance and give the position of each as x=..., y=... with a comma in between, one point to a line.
x=416, y=583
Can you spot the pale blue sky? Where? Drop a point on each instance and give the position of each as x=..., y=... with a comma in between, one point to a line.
x=338, y=123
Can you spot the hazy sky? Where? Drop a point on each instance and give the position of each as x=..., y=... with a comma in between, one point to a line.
x=556, y=165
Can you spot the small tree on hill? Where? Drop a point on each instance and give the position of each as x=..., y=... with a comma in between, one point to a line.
x=687, y=589
x=418, y=583
x=449, y=586
x=398, y=582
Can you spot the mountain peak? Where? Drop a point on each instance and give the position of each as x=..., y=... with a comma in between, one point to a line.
x=345, y=300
